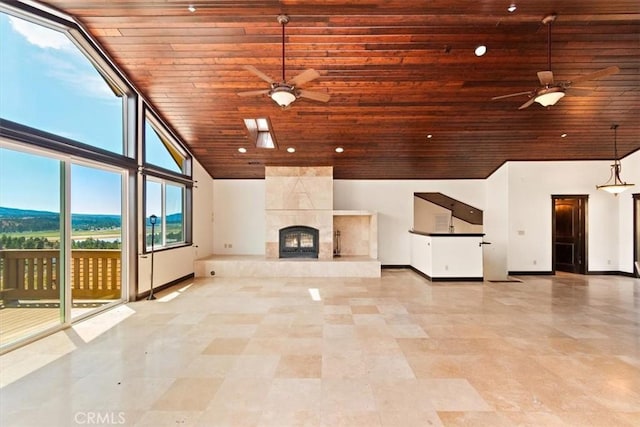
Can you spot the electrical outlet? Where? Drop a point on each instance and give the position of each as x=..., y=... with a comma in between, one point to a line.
x=230, y=246
x=535, y=262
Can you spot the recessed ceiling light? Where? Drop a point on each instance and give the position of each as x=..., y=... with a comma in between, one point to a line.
x=512, y=8
x=564, y=135
x=429, y=136
x=339, y=149
x=242, y=150
x=480, y=50
x=291, y=150
x=191, y=8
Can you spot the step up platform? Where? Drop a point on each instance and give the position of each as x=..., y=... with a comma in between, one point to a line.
x=259, y=266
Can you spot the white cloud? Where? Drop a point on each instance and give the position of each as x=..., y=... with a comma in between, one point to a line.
x=40, y=36
x=65, y=67
x=68, y=71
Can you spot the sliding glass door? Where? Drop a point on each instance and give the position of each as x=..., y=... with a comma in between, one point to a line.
x=96, y=238
x=61, y=235
x=31, y=245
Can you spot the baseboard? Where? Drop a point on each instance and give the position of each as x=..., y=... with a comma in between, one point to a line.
x=531, y=273
x=446, y=279
x=396, y=267
x=145, y=294
x=420, y=273
x=610, y=273
x=590, y=273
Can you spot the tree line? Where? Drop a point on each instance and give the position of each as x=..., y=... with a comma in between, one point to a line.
x=22, y=242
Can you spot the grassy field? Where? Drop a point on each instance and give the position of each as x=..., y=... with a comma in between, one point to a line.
x=54, y=235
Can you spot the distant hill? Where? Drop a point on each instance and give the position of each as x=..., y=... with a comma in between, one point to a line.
x=174, y=218
x=23, y=220
x=16, y=213
x=171, y=219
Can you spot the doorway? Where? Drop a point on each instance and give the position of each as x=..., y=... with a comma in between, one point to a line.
x=569, y=250
x=61, y=241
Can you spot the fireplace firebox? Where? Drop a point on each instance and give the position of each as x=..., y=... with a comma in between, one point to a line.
x=299, y=241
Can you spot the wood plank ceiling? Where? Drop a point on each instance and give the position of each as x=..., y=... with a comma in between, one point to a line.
x=396, y=70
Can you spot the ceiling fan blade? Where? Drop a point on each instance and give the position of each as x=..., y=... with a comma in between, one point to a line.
x=259, y=73
x=511, y=94
x=304, y=77
x=545, y=77
x=254, y=92
x=528, y=103
x=316, y=96
x=596, y=74
x=578, y=92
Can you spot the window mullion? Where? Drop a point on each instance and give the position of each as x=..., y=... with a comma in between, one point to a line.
x=164, y=213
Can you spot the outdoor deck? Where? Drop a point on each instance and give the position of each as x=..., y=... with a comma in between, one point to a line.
x=30, y=287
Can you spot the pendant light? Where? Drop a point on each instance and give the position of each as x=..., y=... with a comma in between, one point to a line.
x=615, y=185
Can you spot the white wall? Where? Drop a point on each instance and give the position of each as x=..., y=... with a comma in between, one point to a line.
x=495, y=220
x=427, y=214
x=516, y=200
x=393, y=202
x=239, y=211
x=630, y=173
x=203, y=202
x=239, y=217
x=610, y=227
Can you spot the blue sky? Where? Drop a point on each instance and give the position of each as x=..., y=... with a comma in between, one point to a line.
x=46, y=83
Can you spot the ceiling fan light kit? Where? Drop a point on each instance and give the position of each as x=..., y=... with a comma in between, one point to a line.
x=282, y=95
x=550, y=91
x=548, y=97
x=615, y=185
x=285, y=92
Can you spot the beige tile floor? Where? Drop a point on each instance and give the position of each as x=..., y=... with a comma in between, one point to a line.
x=395, y=351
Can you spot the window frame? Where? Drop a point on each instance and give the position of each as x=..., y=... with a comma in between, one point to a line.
x=131, y=158
x=166, y=138
x=112, y=76
x=186, y=213
x=157, y=173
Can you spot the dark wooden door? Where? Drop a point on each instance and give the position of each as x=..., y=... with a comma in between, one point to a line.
x=569, y=233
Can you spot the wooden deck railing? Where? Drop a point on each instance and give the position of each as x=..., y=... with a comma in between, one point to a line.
x=34, y=274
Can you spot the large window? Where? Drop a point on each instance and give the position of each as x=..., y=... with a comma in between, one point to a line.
x=167, y=173
x=76, y=143
x=66, y=156
x=164, y=220
x=160, y=148
x=48, y=83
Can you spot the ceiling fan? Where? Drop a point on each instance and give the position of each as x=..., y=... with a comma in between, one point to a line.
x=551, y=91
x=285, y=92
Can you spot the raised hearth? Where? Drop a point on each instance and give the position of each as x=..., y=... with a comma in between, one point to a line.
x=259, y=266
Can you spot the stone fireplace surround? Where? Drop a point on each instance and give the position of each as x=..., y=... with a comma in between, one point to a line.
x=303, y=196
x=299, y=196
